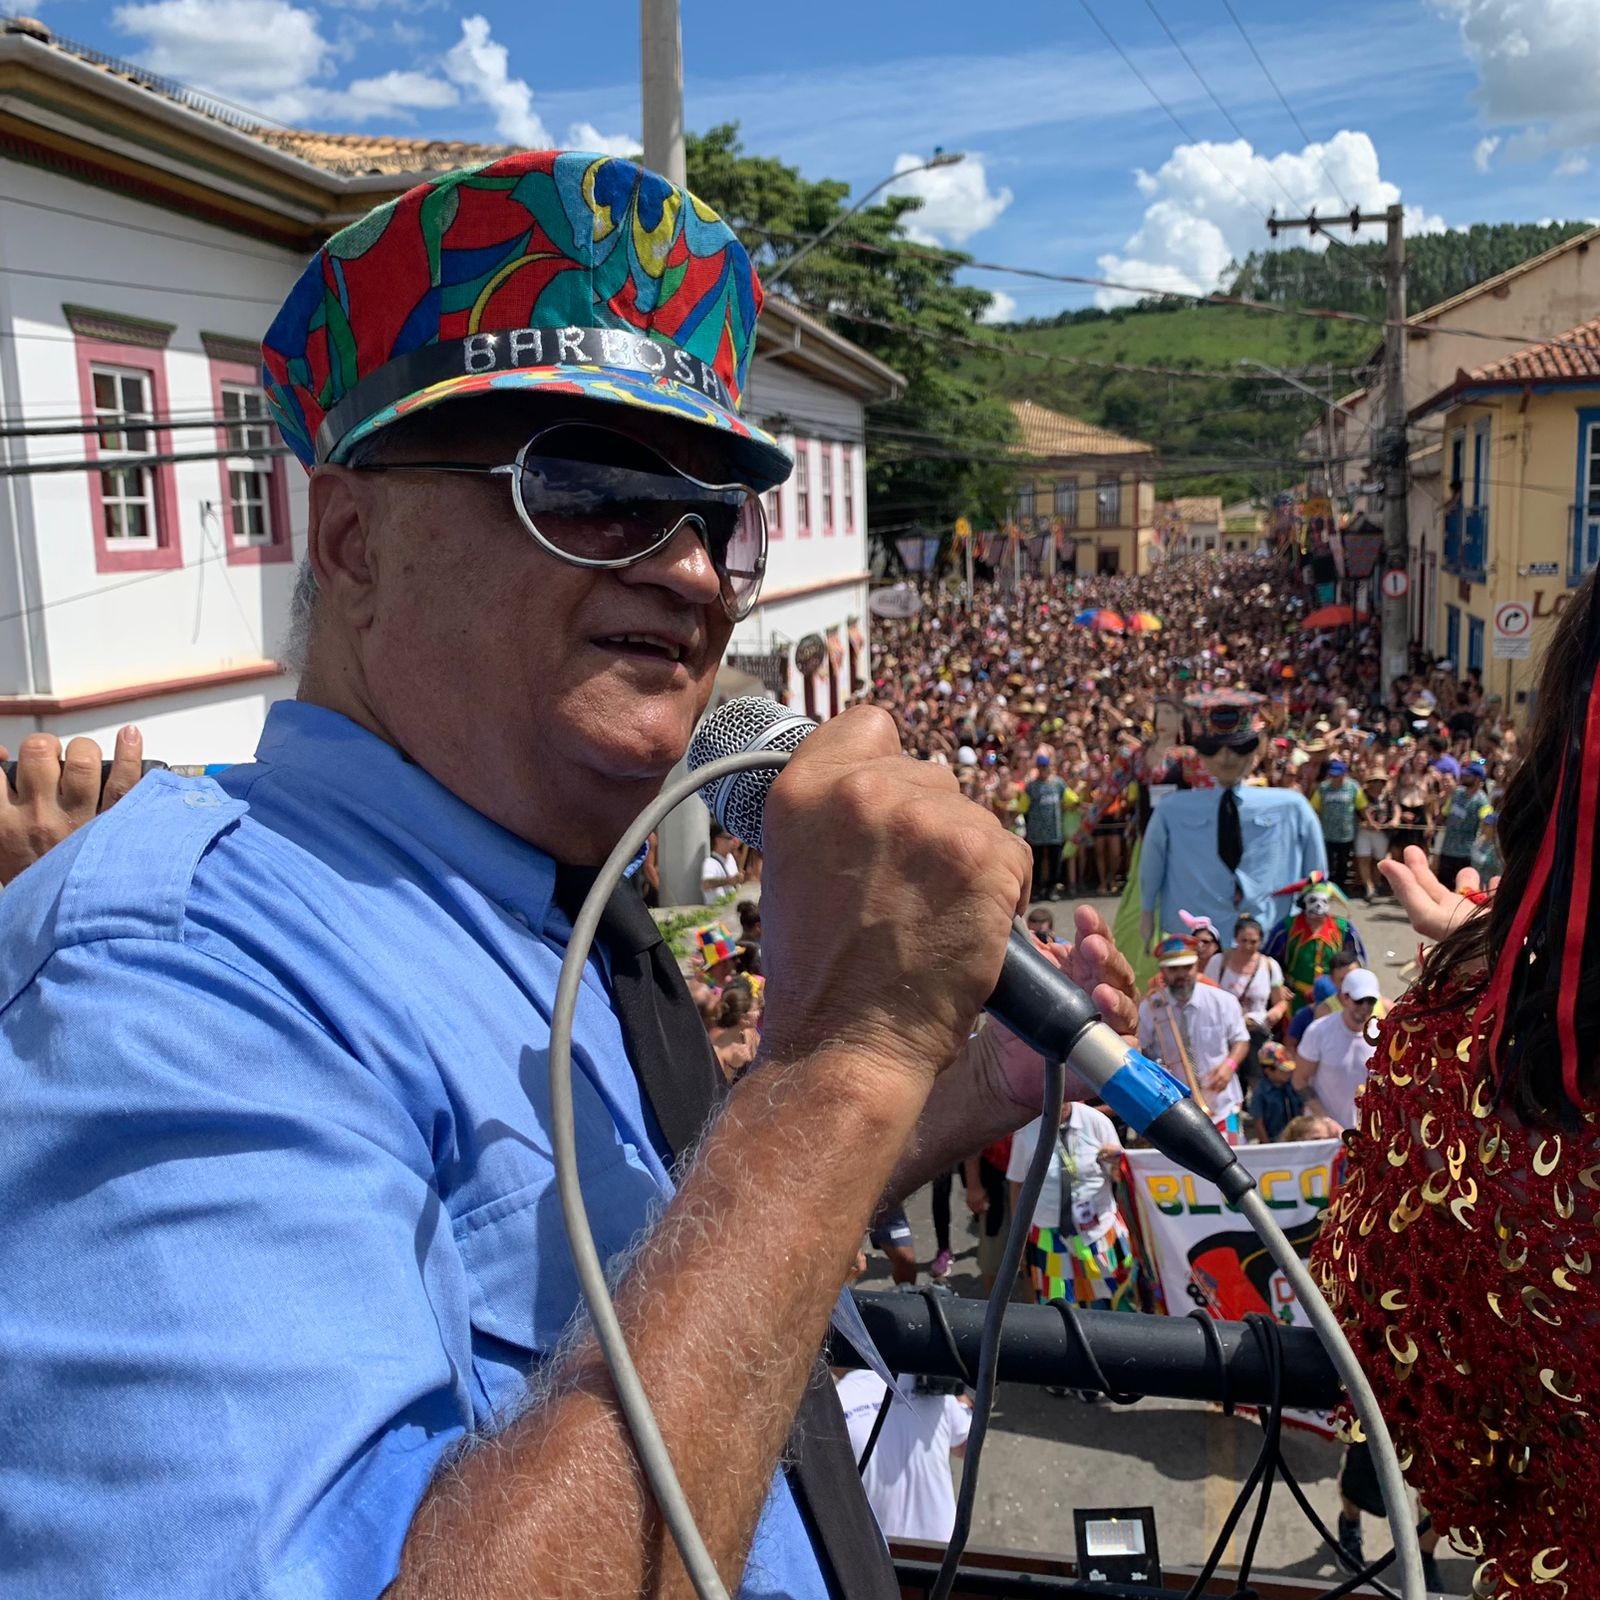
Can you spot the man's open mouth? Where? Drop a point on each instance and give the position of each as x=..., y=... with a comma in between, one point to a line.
x=650, y=645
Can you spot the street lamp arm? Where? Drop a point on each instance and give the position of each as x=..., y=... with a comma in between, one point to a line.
x=941, y=158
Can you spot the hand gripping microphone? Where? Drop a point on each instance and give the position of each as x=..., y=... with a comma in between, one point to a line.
x=1033, y=998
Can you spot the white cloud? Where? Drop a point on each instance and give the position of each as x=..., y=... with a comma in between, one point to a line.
x=956, y=200
x=243, y=47
x=1484, y=150
x=1538, y=62
x=481, y=69
x=1002, y=307
x=1208, y=201
x=585, y=136
x=1573, y=166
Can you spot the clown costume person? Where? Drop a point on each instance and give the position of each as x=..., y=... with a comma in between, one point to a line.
x=1306, y=941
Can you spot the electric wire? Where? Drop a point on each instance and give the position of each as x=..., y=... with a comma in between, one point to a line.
x=1227, y=5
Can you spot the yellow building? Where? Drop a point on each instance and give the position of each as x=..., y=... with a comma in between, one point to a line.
x=1094, y=486
x=1519, y=522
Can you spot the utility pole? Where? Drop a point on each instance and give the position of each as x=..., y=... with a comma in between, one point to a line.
x=661, y=64
x=1393, y=448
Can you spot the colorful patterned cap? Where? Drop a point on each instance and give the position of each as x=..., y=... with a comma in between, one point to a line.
x=1223, y=713
x=715, y=946
x=1176, y=951
x=550, y=271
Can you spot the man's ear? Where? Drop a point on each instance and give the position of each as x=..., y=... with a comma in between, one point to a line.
x=341, y=543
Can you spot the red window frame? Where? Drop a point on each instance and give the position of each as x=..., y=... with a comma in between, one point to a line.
x=828, y=487
x=167, y=552
x=849, y=454
x=802, y=488
x=774, y=503
x=240, y=552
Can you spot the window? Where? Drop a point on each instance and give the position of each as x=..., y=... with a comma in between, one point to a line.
x=254, y=498
x=773, y=500
x=1067, y=501
x=122, y=387
x=1025, y=502
x=1586, y=508
x=127, y=493
x=249, y=477
x=1474, y=646
x=1108, y=503
x=1452, y=634
x=802, y=488
x=849, y=490
x=827, y=488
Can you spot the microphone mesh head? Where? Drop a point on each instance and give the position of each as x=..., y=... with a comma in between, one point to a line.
x=749, y=723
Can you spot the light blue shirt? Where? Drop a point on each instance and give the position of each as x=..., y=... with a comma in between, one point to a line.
x=1179, y=868
x=280, y=1225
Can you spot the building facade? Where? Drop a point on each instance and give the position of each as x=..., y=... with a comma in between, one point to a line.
x=1091, y=489
x=1519, y=525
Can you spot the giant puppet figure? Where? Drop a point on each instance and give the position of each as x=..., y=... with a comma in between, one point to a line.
x=1221, y=852
x=1305, y=942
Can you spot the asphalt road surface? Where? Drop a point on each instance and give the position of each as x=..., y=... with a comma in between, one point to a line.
x=1046, y=1455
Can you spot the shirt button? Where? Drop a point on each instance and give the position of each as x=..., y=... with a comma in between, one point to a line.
x=200, y=797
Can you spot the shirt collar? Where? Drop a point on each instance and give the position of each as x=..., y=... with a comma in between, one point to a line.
x=380, y=787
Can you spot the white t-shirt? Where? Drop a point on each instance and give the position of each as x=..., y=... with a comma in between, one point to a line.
x=1094, y=1205
x=1254, y=993
x=1341, y=1058
x=716, y=873
x=1214, y=1025
x=908, y=1480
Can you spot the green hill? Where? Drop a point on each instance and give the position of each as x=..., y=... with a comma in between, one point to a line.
x=1231, y=433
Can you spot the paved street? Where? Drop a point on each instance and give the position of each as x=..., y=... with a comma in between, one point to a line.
x=1046, y=1455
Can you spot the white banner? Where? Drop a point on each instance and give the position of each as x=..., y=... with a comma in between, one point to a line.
x=1202, y=1253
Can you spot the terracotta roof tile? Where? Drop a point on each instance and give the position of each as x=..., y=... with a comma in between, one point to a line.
x=1051, y=433
x=378, y=154
x=1567, y=356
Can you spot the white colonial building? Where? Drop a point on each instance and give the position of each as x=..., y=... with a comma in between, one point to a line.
x=147, y=236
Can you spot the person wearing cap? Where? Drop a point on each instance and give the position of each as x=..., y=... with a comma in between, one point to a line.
x=1222, y=851
x=1464, y=812
x=1339, y=801
x=282, y=1247
x=1195, y=1030
x=1335, y=1051
x=1274, y=1101
x=1046, y=796
x=720, y=871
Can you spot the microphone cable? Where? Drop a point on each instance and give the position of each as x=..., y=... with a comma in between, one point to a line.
x=655, y=1460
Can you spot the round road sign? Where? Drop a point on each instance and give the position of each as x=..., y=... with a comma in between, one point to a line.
x=1512, y=620
x=1396, y=584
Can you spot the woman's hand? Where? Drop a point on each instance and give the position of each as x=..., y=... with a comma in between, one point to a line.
x=1431, y=908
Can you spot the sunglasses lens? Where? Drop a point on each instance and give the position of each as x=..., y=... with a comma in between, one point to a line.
x=600, y=496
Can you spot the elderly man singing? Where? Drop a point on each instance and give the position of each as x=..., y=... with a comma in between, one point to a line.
x=288, y=1308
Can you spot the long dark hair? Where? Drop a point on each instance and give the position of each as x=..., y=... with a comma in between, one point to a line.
x=1485, y=956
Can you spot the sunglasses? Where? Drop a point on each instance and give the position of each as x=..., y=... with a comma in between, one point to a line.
x=1245, y=746
x=596, y=497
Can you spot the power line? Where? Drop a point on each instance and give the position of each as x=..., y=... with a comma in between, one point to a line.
x=1177, y=121
x=1311, y=143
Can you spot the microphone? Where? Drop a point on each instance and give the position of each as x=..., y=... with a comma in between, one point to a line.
x=1033, y=998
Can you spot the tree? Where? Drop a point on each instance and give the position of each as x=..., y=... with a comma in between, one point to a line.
x=938, y=452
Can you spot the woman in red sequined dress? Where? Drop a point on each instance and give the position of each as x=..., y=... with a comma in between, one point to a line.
x=1461, y=1253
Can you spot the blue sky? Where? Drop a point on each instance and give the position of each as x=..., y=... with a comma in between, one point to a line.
x=1467, y=110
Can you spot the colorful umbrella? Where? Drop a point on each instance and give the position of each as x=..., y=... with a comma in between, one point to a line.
x=1330, y=617
x=1145, y=622
x=1105, y=621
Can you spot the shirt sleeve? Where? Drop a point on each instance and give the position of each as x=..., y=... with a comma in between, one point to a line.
x=1311, y=1044
x=236, y=1332
x=958, y=1418
x=1023, y=1143
x=1238, y=1031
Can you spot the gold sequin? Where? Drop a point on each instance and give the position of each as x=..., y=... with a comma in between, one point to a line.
x=1533, y=1297
x=1582, y=1265
x=1436, y=1186
x=1430, y=1120
x=1455, y=1157
x=1464, y=1202
x=1405, y=1354
x=1482, y=1099
x=1514, y=1263
x=1490, y=1146
x=1493, y=1298
x=1562, y=1279
x=1390, y=1300
x=1398, y=1156
x=1467, y=1540
x=1590, y=1176
x=1545, y=1570
x=1547, y=1156
x=1549, y=1378
x=1369, y=1221
x=1464, y=1050
x=1561, y=1198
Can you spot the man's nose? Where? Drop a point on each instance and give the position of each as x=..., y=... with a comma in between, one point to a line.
x=682, y=564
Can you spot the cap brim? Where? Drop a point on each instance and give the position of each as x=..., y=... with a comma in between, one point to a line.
x=757, y=458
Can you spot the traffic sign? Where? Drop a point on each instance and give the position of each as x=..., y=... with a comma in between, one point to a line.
x=1396, y=584
x=1513, y=631
x=963, y=528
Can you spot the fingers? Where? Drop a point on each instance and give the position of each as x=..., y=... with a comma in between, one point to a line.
x=860, y=734
x=1417, y=861
x=127, y=763
x=1467, y=881
x=80, y=780
x=38, y=769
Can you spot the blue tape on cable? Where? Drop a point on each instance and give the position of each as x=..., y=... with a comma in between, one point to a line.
x=1139, y=1091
